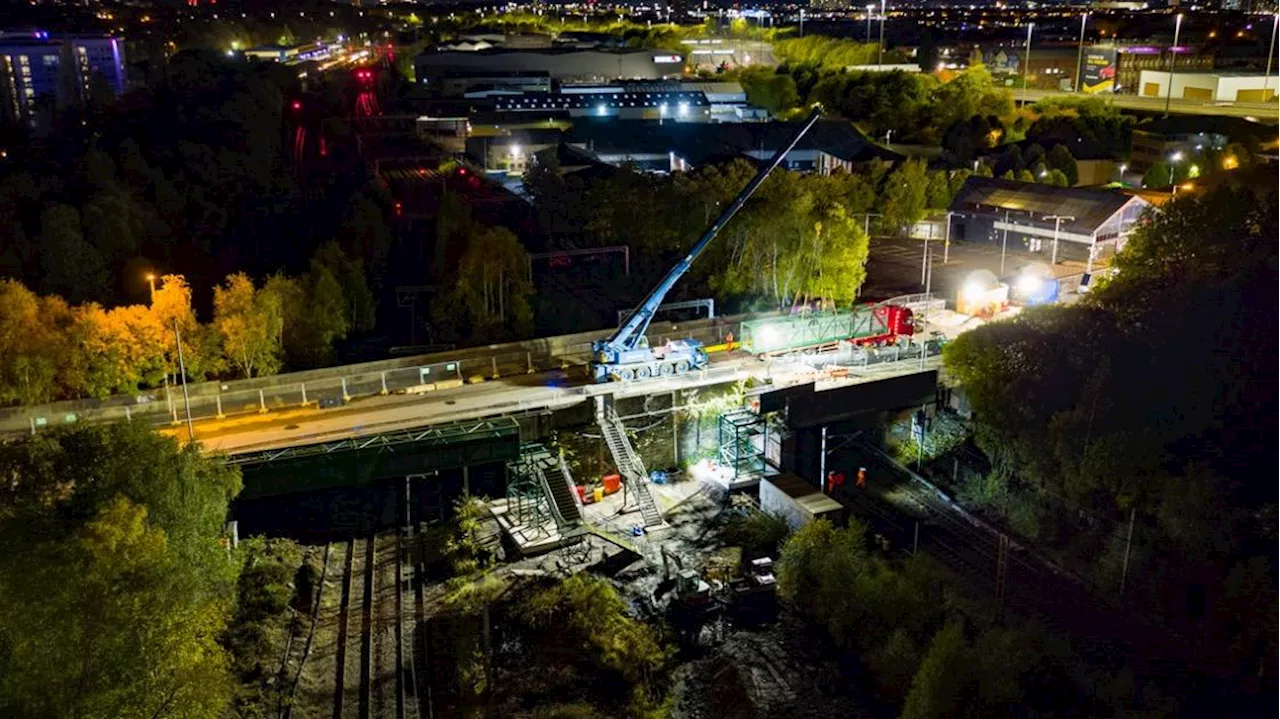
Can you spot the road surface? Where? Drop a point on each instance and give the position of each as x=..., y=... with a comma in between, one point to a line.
x=506, y=396
x=1264, y=112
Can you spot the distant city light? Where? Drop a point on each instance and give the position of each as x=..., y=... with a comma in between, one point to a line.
x=1176, y=157
x=600, y=110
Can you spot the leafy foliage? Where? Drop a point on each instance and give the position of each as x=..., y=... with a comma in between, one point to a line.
x=1087, y=404
x=114, y=589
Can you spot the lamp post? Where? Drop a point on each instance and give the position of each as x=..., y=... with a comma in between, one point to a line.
x=1080, y=53
x=1026, y=63
x=946, y=242
x=928, y=300
x=880, y=51
x=1271, y=52
x=925, y=259
x=869, y=9
x=1004, y=242
x=1057, y=226
x=1168, y=92
x=151, y=281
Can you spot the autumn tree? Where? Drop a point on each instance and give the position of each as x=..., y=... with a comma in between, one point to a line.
x=250, y=323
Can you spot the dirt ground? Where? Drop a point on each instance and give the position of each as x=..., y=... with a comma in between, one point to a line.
x=777, y=670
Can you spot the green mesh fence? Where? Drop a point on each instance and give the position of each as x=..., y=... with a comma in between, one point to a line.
x=781, y=334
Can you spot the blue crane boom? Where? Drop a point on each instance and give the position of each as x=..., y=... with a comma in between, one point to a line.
x=626, y=354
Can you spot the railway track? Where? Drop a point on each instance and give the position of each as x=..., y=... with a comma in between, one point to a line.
x=363, y=659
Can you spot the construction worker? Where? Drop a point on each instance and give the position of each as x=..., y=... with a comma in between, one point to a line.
x=831, y=482
x=839, y=480
x=861, y=481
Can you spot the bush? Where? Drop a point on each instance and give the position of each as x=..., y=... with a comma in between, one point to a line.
x=760, y=534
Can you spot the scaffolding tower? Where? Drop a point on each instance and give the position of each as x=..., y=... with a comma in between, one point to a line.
x=743, y=436
x=527, y=498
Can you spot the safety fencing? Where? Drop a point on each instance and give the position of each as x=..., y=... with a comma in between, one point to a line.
x=334, y=387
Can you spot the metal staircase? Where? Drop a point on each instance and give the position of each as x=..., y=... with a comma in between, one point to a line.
x=556, y=482
x=628, y=463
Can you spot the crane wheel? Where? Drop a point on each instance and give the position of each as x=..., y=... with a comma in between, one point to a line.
x=626, y=374
x=682, y=366
x=666, y=369
x=643, y=373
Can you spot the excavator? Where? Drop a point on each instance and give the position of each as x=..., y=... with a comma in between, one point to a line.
x=626, y=354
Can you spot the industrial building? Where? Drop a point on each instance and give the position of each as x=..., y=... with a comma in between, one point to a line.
x=1209, y=86
x=61, y=70
x=1061, y=223
x=572, y=65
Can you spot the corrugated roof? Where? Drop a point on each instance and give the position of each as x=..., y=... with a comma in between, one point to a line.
x=698, y=142
x=1091, y=208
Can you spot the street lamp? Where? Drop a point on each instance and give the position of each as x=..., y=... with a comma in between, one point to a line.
x=1004, y=242
x=946, y=242
x=1168, y=93
x=880, y=52
x=1057, y=226
x=1084, y=18
x=151, y=280
x=1271, y=52
x=1026, y=63
x=869, y=9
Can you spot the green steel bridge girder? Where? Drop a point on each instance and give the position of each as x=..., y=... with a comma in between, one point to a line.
x=390, y=455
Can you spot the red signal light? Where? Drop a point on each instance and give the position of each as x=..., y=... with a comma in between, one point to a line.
x=296, y=104
x=399, y=209
x=462, y=172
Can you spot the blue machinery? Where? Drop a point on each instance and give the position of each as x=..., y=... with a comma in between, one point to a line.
x=626, y=355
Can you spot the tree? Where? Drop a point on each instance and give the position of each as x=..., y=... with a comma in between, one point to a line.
x=170, y=305
x=115, y=585
x=70, y=267
x=1059, y=158
x=250, y=324
x=939, y=682
x=491, y=283
x=313, y=313
x=349, y=273
x=33, y=344
x=938, y=192
x=775, y=92
x=1159, y=175
x=1057, y=179
x=903, y=199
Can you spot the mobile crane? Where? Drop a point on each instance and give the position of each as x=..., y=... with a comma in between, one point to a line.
x=626, y=355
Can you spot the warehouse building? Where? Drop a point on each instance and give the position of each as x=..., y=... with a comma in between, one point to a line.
x=1062, y=223
x=1209, y=86
x=564, y=65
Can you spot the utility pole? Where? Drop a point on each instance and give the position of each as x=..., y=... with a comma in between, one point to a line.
x=1080, y=54
x=924, y=259
x=928, y=300
x=1168, y=92
x=1004, y=243
x=1057, y=226
x=822, y=460
x=1002, y=571
x=869, y=8
x=1128, y=545
x=182, y=367
x=880, y=51
x=802, y=23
